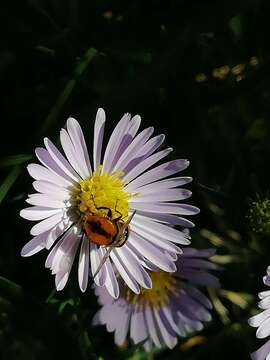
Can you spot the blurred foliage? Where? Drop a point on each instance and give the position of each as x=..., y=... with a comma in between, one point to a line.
x=196, y=70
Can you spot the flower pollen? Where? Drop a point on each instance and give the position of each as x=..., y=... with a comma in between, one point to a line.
x=101, y=193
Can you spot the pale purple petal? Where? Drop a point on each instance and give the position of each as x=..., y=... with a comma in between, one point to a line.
x=138, y=331
x=72, y=155
x=172, y=208
x=151, y=252
x=114, y=142
x=262, y=353
x=131, y=151
x=158, y=173
x=60, y=160
x=98, y=137
x=146, y=164
x=162, y=195
x=166, y=218
x=152, y=326
x=46, y=224
x=124, y=272
x=156, y=240
x=134, y=267
x=39, y=172
x=83, y=269
x=57, y=231
x=166, y=331
x=45, y=158
x=111, y=282
x=143, y=152
x=77, y=138
x=123, y=326
x=96, y=255
x=49, y=188
x=162, y=231
x=35, y=245
x=164, y=184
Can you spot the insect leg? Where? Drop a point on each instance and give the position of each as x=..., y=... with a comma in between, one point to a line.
x=103, y=260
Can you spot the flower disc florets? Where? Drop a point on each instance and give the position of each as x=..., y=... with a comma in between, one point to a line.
x=102, y=193
x=163, y=285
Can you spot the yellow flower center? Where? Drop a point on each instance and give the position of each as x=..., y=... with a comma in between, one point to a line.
x=163, y=285
x=103, y=194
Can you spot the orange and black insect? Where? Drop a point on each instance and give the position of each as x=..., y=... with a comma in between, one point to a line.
x=105, y=231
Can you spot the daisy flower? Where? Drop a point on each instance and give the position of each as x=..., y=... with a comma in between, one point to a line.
x=86, y=207
x=173, y=307
x=262, y=321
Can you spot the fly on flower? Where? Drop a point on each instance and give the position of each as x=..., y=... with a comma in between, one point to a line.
x=120, y=210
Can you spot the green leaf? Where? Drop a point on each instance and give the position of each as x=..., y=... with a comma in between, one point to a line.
x=8, y=182
x=65, y=94
x=9, y=290
x=14, y=160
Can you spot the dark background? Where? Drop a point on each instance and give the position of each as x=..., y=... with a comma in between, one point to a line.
x=196, y=70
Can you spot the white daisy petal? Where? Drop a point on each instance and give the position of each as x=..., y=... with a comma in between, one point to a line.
x=143, y=152
x=114, y=142
x=160, y=230
x=130, y=152
x=127, y=136
x=46, y=224
x=171, y=208
x=134, y=267
x=264, y=329
x=57, y=231
x=111, y=282
x=77, y=138
x=258, y=319
x=155, y=240
x=98, y=137
x=96, y=255
x=71, y=154
x=45, y=158
x=164, y=185
x=151, y=145
x=158, y=173
x=46, y=187
x=264, y=294
x=34, y=213
x=35, y=245
x=83, y=269
x=64, y=257
x=145, y=164
x=124, y=272
x=163, y=195
x=151, y=252
x=39, y=172
x=60, y=160
x=45, y=200
x=166, y=219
